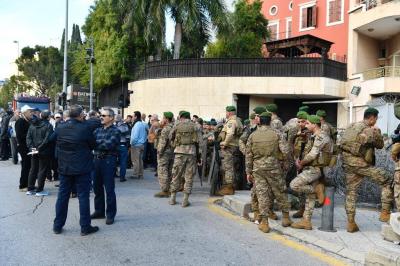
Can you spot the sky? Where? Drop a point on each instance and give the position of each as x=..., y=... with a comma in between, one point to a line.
x=41, y=22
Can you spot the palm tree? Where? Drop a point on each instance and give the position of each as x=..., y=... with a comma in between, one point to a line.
x=201, y=14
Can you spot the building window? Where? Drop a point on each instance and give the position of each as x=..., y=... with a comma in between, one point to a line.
x=291, y=6
x=273, y=10
x=335, y=12
x=273, y=28
x=288, y=27
x=308, y=17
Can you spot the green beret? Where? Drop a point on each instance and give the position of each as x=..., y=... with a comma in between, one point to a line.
x=168, y=115
x=259, y=109
x=246, y=122
x=207, y=123
x=265, y=114
x=302, y=115
x=272, y=107
x=321, y=113
x=304, y=108
x=252, y=116
x=181, y=112
x=213, y=122
x=371, y=111
x=200, y=121
x=230, y=108
x=185, y=114
x=314, y=119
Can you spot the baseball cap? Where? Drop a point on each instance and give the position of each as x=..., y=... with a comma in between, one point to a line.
x=26, y=108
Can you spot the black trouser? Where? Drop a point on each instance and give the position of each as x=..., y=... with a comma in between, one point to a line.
x=14, y=152
x=40, y=165
x=5, y=148
x=25, y=167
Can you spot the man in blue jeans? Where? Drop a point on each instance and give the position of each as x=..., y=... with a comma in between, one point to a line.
x=75, y=143
x=123, y=146
x=108, y=139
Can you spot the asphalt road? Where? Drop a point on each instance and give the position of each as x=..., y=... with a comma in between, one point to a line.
x=147, y=231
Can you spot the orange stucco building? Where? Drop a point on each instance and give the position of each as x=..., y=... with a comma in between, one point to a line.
x=326, y=19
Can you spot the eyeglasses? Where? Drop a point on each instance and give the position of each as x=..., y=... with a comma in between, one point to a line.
x=104, y=115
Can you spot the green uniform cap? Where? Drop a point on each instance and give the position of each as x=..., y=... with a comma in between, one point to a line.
x=252, y=116
x=304, y=108
x=230, y=108
x=321, y=113
x=371, y=110
x=185, y=114
x=302, y=115
x=314, y=119
x=259, y=109
x=181, y=112
x=265, y=114
x=273, y=108
x=213, y=122
x=168, y=115
x=247, y=122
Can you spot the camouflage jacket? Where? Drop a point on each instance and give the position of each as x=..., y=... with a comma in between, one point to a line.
x=276, y=123
x=301, y=143
x=231, y=132
x=330, y=130
x=320, y=151
x=290, y=130
x=370, y=136
x=244, y=137
x=184, y=149
x=271, y=138
x=164, y=144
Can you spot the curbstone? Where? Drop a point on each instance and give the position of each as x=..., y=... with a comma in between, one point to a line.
x=382, y=257
x=388, y=234
x=238, y=204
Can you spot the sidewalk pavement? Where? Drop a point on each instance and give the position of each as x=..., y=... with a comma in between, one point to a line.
x=364, y=247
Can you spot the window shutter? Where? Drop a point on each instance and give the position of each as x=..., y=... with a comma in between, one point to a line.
x=304, y=18
x=314, y=16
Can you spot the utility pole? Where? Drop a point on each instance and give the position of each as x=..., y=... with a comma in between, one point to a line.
x=17, y=42
x=65, y=49
x=90, y=58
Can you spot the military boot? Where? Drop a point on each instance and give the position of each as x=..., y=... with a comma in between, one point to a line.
x=263, y=226
x=286, y=219
x=352, y=227
x=303, y=224
x=185, y=201
x=385, y=216
x=257, y=217
x=162, y=194
x=172, y=199
x=299, y=213
x=320, y=192
x=226, y=190
x=272, y=215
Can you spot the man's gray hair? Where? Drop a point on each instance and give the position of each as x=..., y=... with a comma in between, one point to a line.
x=118, y=118
x=92, y=113
x=75, y=111
x=45, y=114
x=109, y=111
x=65, y=114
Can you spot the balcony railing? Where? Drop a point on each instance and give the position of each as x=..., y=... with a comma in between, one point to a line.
x=382, y=72
x=255, y=67
x=369, y=4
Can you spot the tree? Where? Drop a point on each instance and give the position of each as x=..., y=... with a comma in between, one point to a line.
x=11, y=86
x=42, y=69
x=246, y=33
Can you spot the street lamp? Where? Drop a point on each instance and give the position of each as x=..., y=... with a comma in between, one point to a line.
x=65, y=49
x=17, y=42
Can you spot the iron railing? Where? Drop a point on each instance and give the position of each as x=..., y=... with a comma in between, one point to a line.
x=369, y=4
x=381, y=72
x=256, y=67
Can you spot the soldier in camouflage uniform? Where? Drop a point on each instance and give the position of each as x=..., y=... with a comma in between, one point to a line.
x=317, y=155
x=396, y=182
x=325, y=126
x=184, y=136
x=358, y=145
x=264, y=150
x=165, y=156
x=276, y=122
x=229, y=138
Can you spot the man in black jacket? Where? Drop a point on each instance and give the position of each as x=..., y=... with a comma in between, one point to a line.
x=38, y=141
x=75, y=142
x=4, y=136
x=21, y=130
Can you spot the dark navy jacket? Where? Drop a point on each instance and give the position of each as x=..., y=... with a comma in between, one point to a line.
x=75, y=142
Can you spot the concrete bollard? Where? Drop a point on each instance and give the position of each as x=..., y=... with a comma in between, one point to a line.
x=328, y=210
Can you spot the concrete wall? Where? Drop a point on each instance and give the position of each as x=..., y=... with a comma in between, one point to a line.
x=208, y=96
x=367, y=53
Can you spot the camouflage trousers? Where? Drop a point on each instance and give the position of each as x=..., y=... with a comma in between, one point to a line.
x=354, y=177
x=396, y=184
x=269, y=183
x=164, y=170
x=254, y=199
x=184, y=170
x=228, y=165
x=303, y=183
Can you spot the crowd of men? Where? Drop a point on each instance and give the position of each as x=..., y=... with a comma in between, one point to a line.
x=84, y=151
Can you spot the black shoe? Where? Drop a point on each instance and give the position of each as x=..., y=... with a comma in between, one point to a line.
x=109, y=221
x=122, y=179
x=90, y=230
x=96, y=215
x=57, y=231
